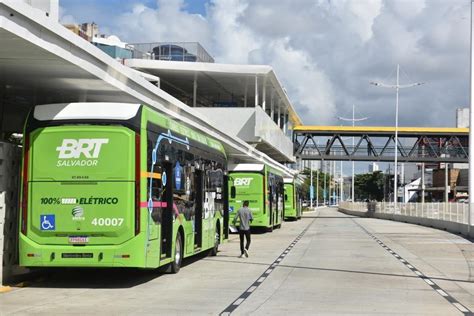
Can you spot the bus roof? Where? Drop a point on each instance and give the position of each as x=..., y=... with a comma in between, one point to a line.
x=86, y=110
x=247, y=167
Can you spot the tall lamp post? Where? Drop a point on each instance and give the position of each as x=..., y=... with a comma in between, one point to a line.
x=397, y=87
x=353, y=119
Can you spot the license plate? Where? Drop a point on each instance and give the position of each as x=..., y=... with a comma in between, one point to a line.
x=78, y=239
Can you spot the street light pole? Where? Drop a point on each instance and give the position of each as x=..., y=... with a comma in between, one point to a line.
x=311, y=188
x=324, y=190
x=397, y=87
x=353, y=119
x=317, y=188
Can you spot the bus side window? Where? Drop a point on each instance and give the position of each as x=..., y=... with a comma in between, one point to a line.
x=157, y=196
x=286, y=197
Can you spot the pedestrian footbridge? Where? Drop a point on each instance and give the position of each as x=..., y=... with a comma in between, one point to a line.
x=368, y=143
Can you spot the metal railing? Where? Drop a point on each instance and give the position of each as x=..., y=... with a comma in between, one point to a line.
x=172, y=51
x=452, y=212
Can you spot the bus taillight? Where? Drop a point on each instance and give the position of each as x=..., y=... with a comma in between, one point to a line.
x=24, y=199
x=137, y=183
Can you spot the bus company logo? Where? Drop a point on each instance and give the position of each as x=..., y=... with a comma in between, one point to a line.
x=73, y=148
x=88, y=148
x=245, y=182
x=77, y=213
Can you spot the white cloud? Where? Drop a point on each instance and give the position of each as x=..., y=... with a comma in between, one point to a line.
x=326, y=51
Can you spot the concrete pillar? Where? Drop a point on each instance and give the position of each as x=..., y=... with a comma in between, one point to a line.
x=272, y=106
x=195, y=90
x=279, y=115
x=264, y=93
x=246, y=91
x=256, y=90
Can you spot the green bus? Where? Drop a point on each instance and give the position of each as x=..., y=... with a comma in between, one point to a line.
x=118, y=185
x=262, y=186
x=293, y=203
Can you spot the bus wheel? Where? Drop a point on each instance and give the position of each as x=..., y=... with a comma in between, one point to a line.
x=217, y=241
x=178, y=254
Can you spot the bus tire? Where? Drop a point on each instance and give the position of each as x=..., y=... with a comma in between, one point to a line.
x=217, y=241
x=178, y=254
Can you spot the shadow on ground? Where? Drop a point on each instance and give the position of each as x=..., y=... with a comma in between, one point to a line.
x=100, y=278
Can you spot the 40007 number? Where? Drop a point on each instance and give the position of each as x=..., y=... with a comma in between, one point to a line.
x=107, y=221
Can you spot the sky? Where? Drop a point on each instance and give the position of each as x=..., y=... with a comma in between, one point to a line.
x=325, y=52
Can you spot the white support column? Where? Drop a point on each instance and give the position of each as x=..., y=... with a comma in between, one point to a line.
x=272, y=106
x=256, y=90
x=195, y=90
x=402, y=181
x=279, y=115
x=246, y=89
x=423, y=182
x=285, y=121
x=264, y=93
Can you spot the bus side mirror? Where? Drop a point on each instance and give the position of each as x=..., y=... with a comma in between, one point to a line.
x=232, y=192
x=286, y=197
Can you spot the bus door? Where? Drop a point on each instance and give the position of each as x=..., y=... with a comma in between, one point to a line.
x=168, y=211
x=281, y=195
x=198, y=214
x=225, y=191
x=209, y=207
x=270, y=208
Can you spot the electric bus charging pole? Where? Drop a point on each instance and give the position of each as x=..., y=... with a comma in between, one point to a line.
x=471, y=134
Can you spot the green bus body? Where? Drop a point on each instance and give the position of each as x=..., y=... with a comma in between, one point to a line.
x=119, y=193
x=292, y=200
x=264, y=191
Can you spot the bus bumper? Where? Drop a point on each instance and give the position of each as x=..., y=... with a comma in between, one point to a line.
x=128, y=254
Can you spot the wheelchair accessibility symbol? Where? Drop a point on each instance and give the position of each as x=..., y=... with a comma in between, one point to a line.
x=47, y=222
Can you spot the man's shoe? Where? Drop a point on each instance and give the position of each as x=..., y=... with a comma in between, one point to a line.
x=241, y=256
x=246, y=253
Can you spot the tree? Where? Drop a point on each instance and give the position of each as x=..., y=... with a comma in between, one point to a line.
x=318, y=187
x=369, y=186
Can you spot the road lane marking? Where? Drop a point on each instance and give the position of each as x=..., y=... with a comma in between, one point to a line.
x=238, y=301
x=430, y=282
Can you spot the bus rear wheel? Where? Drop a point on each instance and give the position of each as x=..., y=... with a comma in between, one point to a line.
x=178, y=254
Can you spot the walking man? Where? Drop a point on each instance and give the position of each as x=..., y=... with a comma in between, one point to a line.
x=244, y=215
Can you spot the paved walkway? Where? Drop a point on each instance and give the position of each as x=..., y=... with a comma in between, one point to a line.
x=326, y=263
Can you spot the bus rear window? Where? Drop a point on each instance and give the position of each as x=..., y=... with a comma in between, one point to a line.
x=77, y=153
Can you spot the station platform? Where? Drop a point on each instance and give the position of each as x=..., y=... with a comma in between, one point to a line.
x=326, y=263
